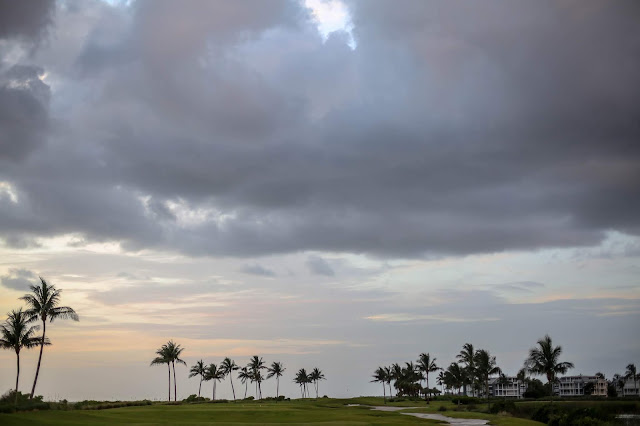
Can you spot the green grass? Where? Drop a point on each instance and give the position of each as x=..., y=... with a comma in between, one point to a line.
x=329, y=411
x=326, y=411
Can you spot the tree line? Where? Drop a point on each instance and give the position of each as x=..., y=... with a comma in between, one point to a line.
x=473, y=368
x=170, y=352
x=17, y=333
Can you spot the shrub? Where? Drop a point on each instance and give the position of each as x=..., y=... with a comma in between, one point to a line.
x=249, y=398
x=195, y=398
x=500, y=406
x=442, y=408
x=465, y=400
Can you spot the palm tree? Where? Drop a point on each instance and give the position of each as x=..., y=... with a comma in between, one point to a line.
x=43, y=304
x=228, y=366
x=440, y=379
x=544, y=359
x=315, y=376
x=503, y=380
x=255, y=365
x=244, y=375
x=302, y=378
x=213, y=373
x=164, y=357
x=389, y=373
x=454, y=377
x=276, y=369
x=175, y=350
x=396, y=374
x=380, y=376
x=427, y=365
x=17, y=334
x=486, y=366
x=198, y=369
x=631, y=373
x=618, y=381
x=466, y=357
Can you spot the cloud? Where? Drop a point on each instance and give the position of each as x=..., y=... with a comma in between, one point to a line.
x=25, y=20
x=18, y=279
x=319, y=266
x=256, y=269
x=235, y=129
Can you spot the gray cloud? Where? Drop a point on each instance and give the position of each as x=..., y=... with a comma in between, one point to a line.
x=248, y=135
x=257, y=269
x=18, y=279
x=25, y=20
x=319, y=266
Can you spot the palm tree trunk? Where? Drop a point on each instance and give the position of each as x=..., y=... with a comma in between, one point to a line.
x=384, y=393
x=426, y=396
x=44, y=330
x=213, y=395
x=246, y=386
x=169, y=369
x=277, y=386
x=234, y=391
x=175, y=385
x=200, y=388
x=17, y=375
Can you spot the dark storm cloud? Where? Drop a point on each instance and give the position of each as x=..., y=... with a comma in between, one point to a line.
x=18, y=279
x=25, y=20
x=24, y=111
x=231, y=129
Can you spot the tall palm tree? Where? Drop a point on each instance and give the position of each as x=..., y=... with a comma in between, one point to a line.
x=276, y=369
x=544, y=359
x=427, y=365
x=164, y=357
x=454, y=377
x=17, y=334
x=315, y=376
x=440, y=379
x=256, y=364
x=486, y=366
x=380, y=376
x=389, y=373
x=631, y=373
x=43, y=304
x=245, y=376
x=618, y=382
x=213, y=373
x=198, y=369
x=174, y=353
x=466, y=357
x=396, y=374
x=228, y=366
x=302, y=378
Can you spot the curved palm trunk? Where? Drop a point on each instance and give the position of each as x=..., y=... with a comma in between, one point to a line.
x=175, y=385
x=232, y=389
x=316, y=390
x=44, y=330
x=169, y=370
x=17, y=375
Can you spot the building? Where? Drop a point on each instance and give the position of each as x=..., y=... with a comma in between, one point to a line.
x=574, y=386
x=630, y=388
x=512, y=388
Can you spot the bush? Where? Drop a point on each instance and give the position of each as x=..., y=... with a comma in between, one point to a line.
x=8, y=402
x=503, y=406
x=219, y=401
x=249, y=398
x=466, y=400
x=195, y=398
x=442, y=408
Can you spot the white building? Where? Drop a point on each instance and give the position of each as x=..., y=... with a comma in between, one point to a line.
x=630, y=388
x=574, y=385
x=513, y=388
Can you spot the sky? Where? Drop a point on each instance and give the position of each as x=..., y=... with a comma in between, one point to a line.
x=331, y=184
